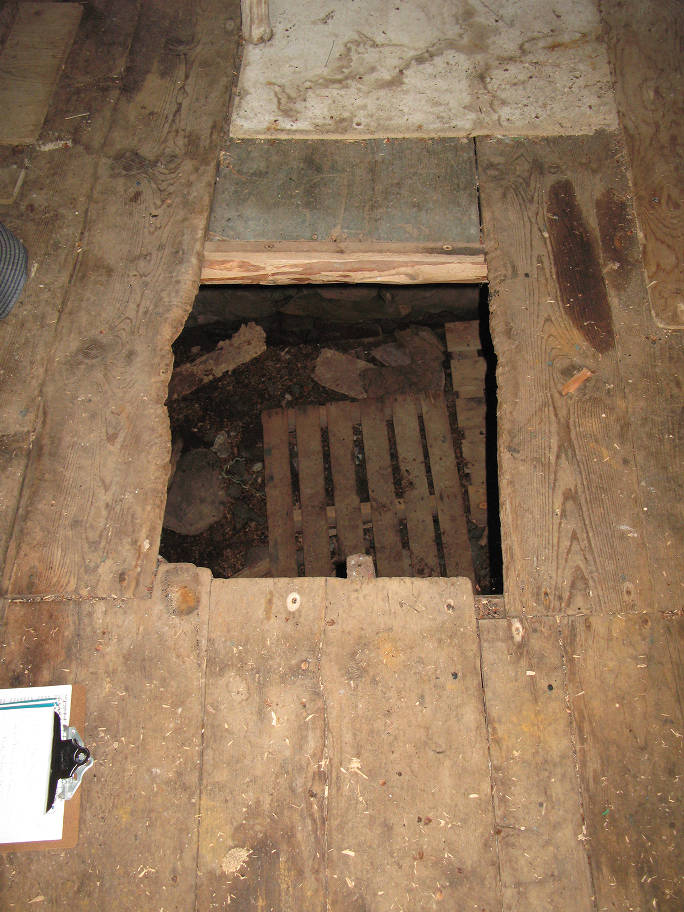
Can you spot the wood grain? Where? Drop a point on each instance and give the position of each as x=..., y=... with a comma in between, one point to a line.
x=312, y=492
x=281, y=539
x=537, y=803
x=644, y=39
x=30, y=62
x=625, y=684
x=90, y=516
x=142, y=667
x=409, y=817
x=341, y=418
x=572, y=519
x=230, y=263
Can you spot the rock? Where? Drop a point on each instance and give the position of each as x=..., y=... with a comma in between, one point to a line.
x=226, y=304
x=341, y=373
x=222, y=445
x=197, y=497
x=392, y=355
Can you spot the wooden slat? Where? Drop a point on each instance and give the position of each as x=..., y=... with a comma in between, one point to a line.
x=228, y=262
x=312, y=492
x=281, y=535
x=572, y=523
x=389, y=554
x=447, y=485
x=89, y=501
x=625, y=684
x=421, y=529
x=644, y=39
x=536, y=797
x=143, y=670
x=30, y=63
x=468, y=376
x=342, y=416
x=264, y=769
x=463, y=337
x=409, y=815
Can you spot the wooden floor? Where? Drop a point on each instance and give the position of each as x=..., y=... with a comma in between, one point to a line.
x=250, y=755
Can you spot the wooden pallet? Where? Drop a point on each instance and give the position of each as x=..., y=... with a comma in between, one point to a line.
x=468, y=368
x=413, y=512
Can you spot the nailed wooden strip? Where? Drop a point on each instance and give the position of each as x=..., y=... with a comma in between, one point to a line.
x=281, y=535
x=463, y=337
x=389, y=554
x=312, y=492
x=142, y=726
x=30, y=63
x=571, y=521
x=625, y=683
x=262, y=831
x=644, y=39
x=536, y=796
x=447, y=485
x=421, y=529
x=468, y=376
x=409, y=766
x=93, y=526
x=224, y=263
x=341, y=418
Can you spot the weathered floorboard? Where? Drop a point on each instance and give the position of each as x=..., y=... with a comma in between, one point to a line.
x=312, y=492
x=142, y=665
x=348, y=522
x=625, y=683
x=572, y=518
x=279, y=504
x=90, y=516
x=535, y=786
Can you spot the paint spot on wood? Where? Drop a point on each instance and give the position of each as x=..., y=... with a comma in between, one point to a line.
x=578, y=272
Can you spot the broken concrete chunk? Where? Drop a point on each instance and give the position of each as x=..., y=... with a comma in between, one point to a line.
x=247, y=343
x=197, y=497
x=341, y=373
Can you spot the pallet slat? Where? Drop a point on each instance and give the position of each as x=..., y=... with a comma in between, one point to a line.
x=312, y=492
x=421, y=527
x=342, y=417
x=281, y=534
x=450, y=507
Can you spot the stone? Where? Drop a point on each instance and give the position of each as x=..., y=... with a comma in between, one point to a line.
x=197, y=496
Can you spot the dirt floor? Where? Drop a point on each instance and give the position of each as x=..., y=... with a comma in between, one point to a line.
x=216, y=429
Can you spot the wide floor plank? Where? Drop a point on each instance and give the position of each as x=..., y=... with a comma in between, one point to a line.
x=572, y=520
x=625, y=683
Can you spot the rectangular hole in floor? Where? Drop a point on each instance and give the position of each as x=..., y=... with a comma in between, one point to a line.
x=402, y=384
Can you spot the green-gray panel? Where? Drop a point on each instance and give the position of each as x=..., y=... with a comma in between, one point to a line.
x=420, y=191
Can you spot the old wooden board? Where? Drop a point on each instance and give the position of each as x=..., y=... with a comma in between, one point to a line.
x=563, y=298
x=30, y=62
x=416, y=191
x=90, y=516
x=50, y=211
x=536, y=796
x=142, y=665
x=352, y=723
x=625, y=686
x=279, y=502
x=348, y=523
x=312, y=492
x=644, y=42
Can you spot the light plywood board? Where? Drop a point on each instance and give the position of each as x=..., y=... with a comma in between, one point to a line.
x=30, y=63
x=384, y=68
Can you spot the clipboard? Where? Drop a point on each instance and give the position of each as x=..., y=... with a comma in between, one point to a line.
x=72, y=807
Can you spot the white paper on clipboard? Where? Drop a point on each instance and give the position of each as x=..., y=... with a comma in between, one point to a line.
x=26, y=729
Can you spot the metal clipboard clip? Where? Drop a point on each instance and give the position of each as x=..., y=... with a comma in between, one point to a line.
x=70, y=759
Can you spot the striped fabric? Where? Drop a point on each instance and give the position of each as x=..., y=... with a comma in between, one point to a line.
x=13, y=266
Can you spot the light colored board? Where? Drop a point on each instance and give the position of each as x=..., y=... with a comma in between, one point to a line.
x=281, y=539
x=389, y=555
x=625, y=683
x=230, y=262
x=90, y=516
x=447, y=486
x=373, y=191
x=312, y=492
x=30, y=62
x=409, y=814
x=50, y=212
x=462, y=337
x=468, y=376
x=389, y=69
x=264, y=772
x=421, y=529
x=341, y=417
x=142, y=665
x=644, y=41
x=536, y=791
x=572, y=519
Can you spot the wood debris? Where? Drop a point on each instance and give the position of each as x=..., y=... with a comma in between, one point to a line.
x=247, y=343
